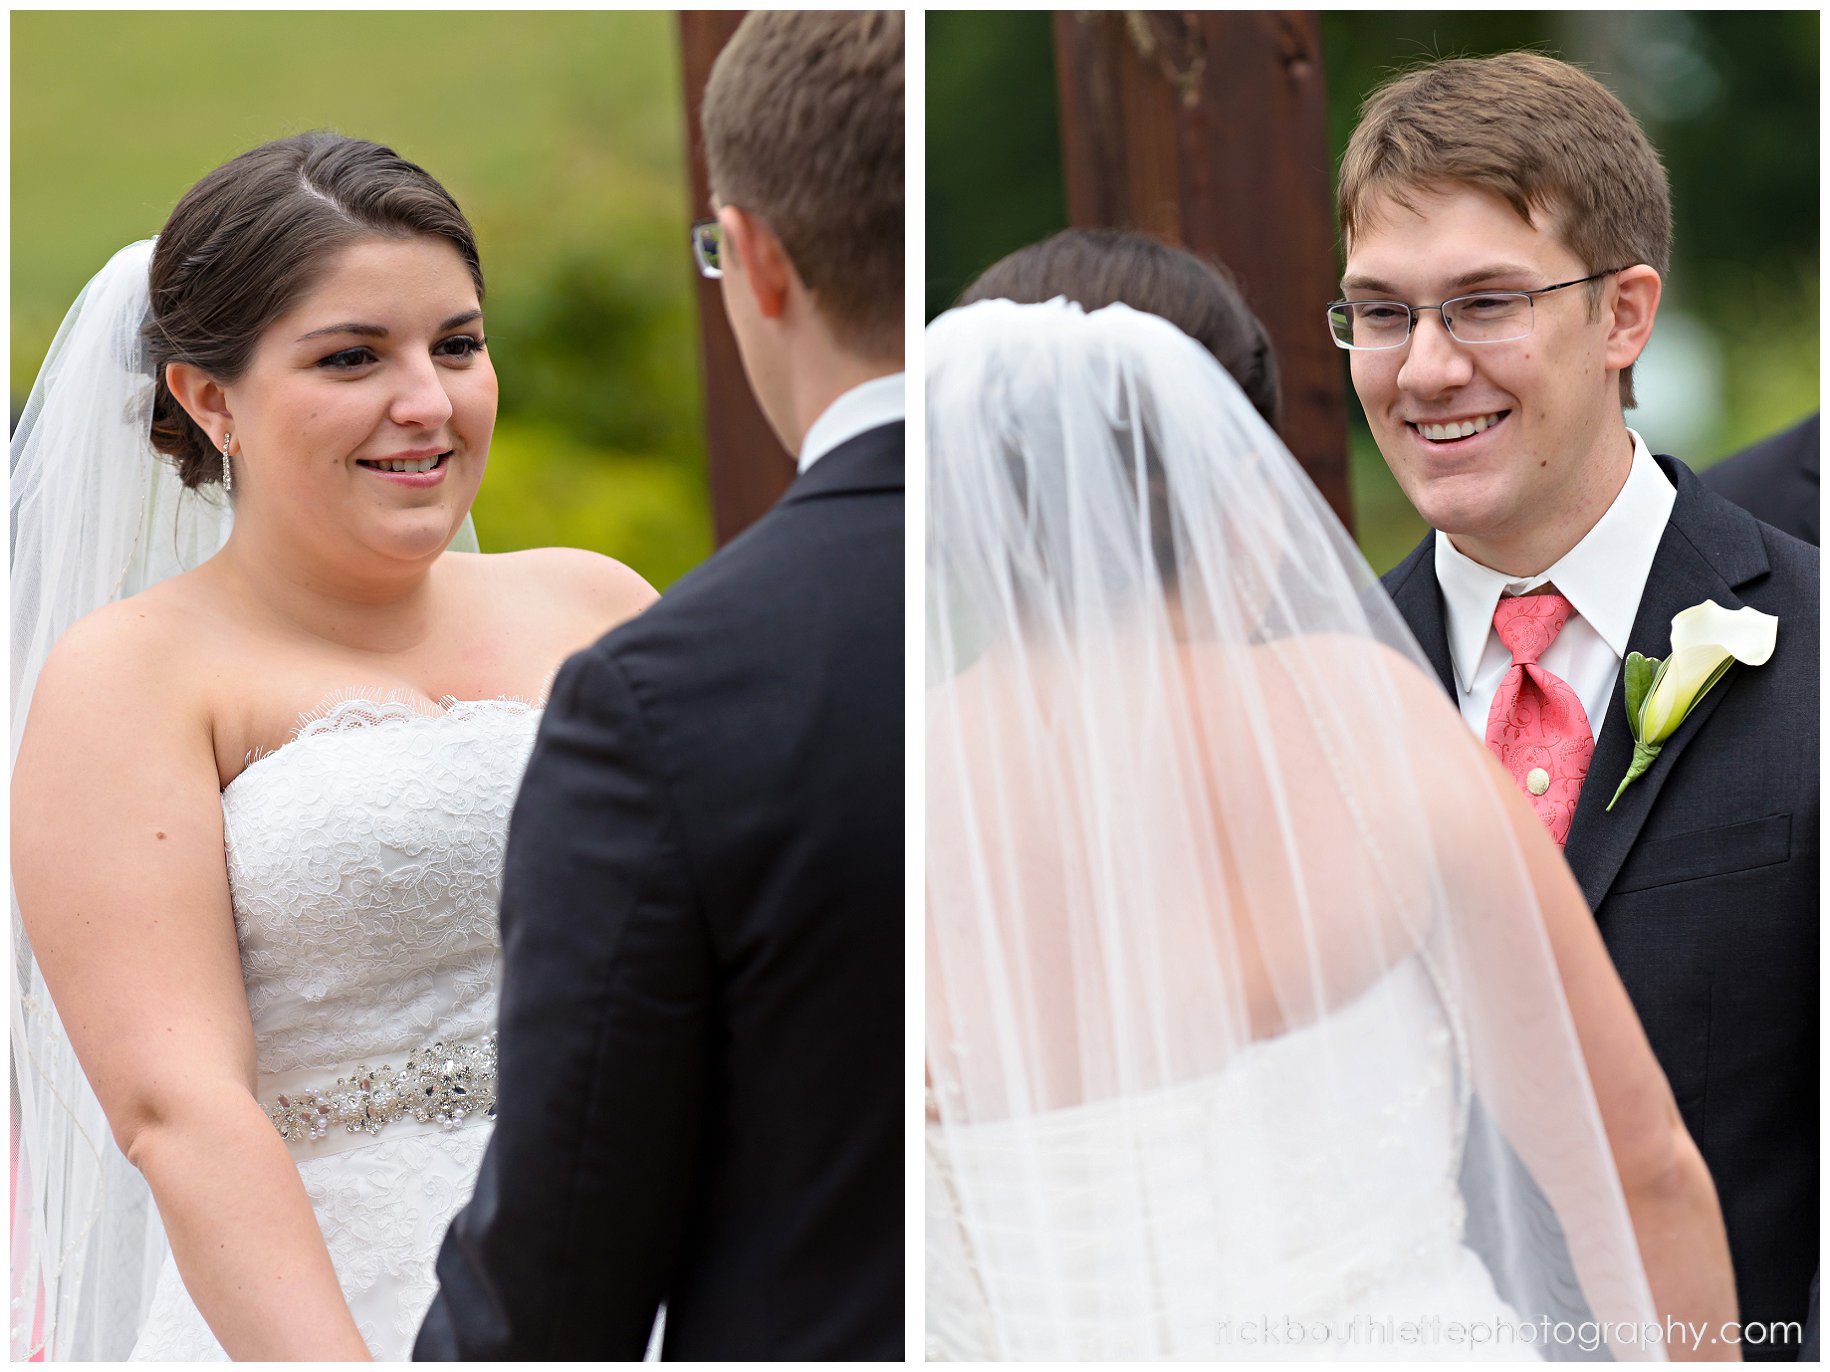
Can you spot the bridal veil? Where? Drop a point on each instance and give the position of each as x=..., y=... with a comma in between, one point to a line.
x=96, y=515
x=1198, y=815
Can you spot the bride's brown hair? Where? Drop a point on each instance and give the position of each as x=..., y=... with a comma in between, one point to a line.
x=253, y=236
x=1099, y=267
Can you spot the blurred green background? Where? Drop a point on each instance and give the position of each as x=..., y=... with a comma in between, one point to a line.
x=561, y=134
x=1729, y=98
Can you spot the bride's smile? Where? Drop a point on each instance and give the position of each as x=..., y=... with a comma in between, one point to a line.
x=425, y=468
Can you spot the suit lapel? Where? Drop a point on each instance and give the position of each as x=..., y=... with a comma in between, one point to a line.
x=1413, y=588
x=1709, y=548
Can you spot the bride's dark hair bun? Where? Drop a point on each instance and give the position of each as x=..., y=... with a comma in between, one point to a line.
x=252, y=237
x=1099, y=267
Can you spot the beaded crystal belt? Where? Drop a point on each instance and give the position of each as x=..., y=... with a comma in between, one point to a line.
x=442, y=1084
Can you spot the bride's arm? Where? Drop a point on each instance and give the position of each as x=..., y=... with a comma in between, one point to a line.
x=1671, y=1201
x=119, y=869
x=1670, y=1196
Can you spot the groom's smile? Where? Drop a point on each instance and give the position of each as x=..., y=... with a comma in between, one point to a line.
x=1444, y=432
x=1513, y=448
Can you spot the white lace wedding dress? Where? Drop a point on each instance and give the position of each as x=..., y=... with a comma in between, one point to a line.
x=1335, y=1218
x=365, y=861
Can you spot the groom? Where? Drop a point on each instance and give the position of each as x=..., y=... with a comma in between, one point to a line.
x=701, y=1043
x=1500, y=414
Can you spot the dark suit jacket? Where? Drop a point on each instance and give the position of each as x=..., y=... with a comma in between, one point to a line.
x=701, y=1038
x=1810, y=1352
x=1775, y=480
x=1704, y=879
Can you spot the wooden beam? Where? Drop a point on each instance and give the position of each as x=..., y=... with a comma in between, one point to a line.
x=1210, y=130
x=749, y=468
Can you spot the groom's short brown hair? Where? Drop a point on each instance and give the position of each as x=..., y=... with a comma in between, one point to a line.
x=802, y=120
x=1541, y=134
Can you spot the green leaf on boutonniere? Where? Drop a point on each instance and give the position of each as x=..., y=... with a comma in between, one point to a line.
x=1642, y=675
x=1640, y=672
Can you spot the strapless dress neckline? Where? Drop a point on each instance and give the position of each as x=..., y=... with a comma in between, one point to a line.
x=348, y=710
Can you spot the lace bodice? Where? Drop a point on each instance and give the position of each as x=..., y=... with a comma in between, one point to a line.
x=365, y=862
x=1315, y=1178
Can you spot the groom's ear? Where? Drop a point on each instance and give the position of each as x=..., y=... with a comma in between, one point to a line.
x=203, y=399
x=763, y=267
x=1635, y=306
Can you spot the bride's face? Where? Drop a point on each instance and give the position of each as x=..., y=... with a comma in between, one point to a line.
x=380, y=367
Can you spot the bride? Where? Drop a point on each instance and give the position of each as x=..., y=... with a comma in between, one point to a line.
x=263, y=769
x=1262, y=1018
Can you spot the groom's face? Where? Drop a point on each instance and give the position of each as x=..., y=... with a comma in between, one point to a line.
x=1543, y=401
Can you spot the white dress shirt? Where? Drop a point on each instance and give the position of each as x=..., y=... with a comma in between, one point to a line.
x=1602, y=577
x=877, y=402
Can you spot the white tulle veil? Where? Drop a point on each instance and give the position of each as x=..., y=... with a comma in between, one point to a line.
x=1195, y=802
x=97, y=515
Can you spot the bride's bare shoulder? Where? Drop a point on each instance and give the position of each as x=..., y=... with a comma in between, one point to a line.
x=1334, y=659
x=126, y=629
x=574, y=582
x=1336, y=651
x=132, y=680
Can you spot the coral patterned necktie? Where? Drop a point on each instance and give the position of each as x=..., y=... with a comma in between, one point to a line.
x=1537, y=727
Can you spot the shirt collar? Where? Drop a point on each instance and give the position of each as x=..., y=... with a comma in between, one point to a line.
x=877, y=402
x=1602, y=577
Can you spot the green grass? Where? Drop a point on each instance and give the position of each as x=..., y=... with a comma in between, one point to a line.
x=646, y=512
x=1385, y=525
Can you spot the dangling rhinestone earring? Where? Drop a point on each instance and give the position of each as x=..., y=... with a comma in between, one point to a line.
x=228, y=480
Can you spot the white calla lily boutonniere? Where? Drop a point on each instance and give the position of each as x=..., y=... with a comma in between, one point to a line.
x=1706, y=640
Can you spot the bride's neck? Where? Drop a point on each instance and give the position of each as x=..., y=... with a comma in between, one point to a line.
x=378, y=606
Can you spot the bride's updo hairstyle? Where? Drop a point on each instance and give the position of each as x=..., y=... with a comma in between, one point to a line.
x=1099, y=267
x=1095, y=268
x=247, y=241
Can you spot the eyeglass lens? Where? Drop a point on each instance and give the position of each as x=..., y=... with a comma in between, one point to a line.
x=1492, y=318
x=707, y=246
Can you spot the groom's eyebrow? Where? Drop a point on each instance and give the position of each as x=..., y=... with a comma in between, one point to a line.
x=1498, y=271
x=377, y=331
x=1495, y=271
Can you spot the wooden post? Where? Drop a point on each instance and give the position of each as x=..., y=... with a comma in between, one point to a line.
x=749, y=468
x=1209, y=129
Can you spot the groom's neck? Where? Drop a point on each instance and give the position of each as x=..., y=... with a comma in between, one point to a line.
x=817, y=387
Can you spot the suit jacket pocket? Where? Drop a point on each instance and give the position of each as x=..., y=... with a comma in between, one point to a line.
x=1706, y=853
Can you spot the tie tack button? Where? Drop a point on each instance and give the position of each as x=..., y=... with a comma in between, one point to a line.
x=1537, y=781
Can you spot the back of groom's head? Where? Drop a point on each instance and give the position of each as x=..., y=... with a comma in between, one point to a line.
x=802, y=120
x=1542, y=135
